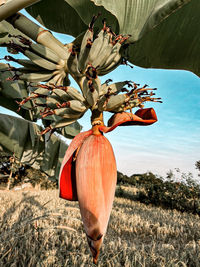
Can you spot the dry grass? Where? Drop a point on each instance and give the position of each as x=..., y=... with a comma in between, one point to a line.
x=39, y=229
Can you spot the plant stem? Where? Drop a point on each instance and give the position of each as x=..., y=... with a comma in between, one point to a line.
x=97, y=121
x=13, y=6
x=9, y=180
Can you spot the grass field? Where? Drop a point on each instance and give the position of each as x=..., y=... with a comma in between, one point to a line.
x=40, y=229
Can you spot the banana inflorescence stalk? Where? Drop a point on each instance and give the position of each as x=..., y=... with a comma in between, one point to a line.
x=84, y=173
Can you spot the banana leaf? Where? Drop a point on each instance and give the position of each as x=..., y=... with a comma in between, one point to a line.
x=12, y=91
x=69, y=16
x=8, y=7
x=21, y=137
x=164, y=33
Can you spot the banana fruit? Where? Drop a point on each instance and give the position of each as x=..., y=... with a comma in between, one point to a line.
x=45, y=52
x=66, y=113
x=39, y=60
x=112, y=102
x=101, y=52
x=72, y=64
x=90, y=89
x=35, y=76
x=96, y=46
x=92, y=54
x=113, y=88
x=71, y=92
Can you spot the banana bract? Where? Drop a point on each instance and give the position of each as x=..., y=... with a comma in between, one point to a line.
x=89, y=174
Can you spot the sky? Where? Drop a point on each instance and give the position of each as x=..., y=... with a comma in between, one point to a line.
x=173, y=141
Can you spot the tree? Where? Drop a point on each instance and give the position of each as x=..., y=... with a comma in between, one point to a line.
x=41, y=87
x=197, y=164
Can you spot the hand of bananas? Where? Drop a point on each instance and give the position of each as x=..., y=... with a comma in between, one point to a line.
x=88, y=56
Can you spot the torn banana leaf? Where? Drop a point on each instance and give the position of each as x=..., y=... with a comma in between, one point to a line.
x=12, y=89
x=173, y=44
x=10, y=104
x=21, y=138
x=165, y=33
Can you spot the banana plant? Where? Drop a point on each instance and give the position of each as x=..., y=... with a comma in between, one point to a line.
x=41, y=85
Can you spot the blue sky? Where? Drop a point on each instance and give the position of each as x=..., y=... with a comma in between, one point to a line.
x=172, y=142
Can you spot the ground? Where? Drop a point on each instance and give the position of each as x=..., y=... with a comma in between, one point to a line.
x=40, y=229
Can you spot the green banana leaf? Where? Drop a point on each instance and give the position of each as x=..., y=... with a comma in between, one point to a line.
x=21, y=137
x=12, y=91
x=69, y=16
x=164, y=33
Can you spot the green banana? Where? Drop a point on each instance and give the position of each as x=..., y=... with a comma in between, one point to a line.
x=39, y=60
x=61, y=78
x=35, y=76
x=45, y=52
x=48, y=40
x=96, y=47
x=127, y=105
x=62, y=94
x=83, y=58
x=54, y=80
x=40, y=102
x=76, y=105
x=56, y=97
x=112, y=102
x=113, y=54
x=114, y=88
x=67, y=113
x=58, y=124
x=51, y=117
x=27, y=70
x=24, y=62
x=74, y=94
x=114, y=59
x=102, y=103
x=104, y=89
x=86, y=46
x=116, y=62
x=118, y=109
x=42, y=91
x=72, y=65
x=90, y=90
x=52, y=102
x=62, y=123
x=104, y=52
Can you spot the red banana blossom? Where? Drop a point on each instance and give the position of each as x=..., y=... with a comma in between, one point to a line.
x=89, y=174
